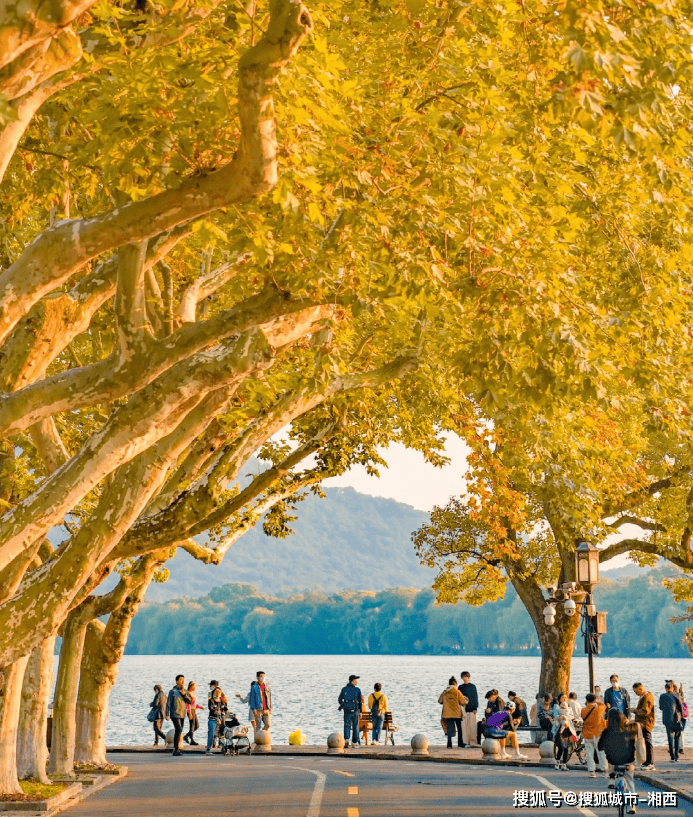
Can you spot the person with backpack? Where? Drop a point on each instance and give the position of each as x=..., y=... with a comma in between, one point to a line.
x=377, y=703
x=350, y=702
x=453, y=701
x=672, y=715
x=593, y=724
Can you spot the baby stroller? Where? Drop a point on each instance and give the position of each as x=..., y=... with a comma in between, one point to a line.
x=234, y=738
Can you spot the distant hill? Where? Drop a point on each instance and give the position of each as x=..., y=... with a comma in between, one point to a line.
x=346, y=541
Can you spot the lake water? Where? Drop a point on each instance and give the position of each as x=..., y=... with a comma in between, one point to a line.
x=305, y=688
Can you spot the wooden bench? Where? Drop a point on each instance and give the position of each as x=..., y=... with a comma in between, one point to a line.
x=366, y=727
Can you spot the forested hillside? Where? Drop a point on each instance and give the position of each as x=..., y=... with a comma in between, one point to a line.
x=237, y=618
x=346, y=540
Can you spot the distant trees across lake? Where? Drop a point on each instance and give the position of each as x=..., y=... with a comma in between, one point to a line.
x=236, y=618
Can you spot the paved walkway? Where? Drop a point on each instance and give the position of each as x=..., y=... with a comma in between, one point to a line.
x=297, y=784
x=677, y=777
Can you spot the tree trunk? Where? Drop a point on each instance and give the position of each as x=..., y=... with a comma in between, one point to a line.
x=9, y=720
x=32, y=751
x=103, y=648
x=62, y=754
x=95, y=684
x=557, y=642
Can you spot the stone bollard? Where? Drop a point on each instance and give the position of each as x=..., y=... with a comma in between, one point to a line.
x=491, y=748
x=335, y=744
x=169, y=738
x=419, y=745
x=263, y=742
x=546, y=754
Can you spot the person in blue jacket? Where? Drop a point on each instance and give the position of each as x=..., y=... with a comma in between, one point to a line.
x=672, y=715
x=351, y=702
x=260, y=702
x=616, y=698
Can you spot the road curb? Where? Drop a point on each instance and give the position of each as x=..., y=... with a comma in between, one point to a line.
x=661, y=784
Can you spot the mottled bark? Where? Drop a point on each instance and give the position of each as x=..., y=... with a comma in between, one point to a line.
x=61, y=761
x=9, y=720
x=148, y=417
x=40, y=63
x=103, y=650
x=42, y=602
x=27, y=24
x=62, y=250
x=32, y=751
x=122, y=375
x=557, y=642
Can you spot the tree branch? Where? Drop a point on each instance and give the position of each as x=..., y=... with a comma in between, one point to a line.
x=634, y=520
x=130, y=303
x=112, y=378
x=65, y=248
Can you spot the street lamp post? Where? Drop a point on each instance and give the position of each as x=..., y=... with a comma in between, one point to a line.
x=577, y=598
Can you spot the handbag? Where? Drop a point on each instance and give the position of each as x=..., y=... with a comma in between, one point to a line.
x=154, y=714
x=640, y=749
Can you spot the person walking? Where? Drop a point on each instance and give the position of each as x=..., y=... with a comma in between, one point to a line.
x=350, y=702
x=593, y=724
x=216, y=712
x=377, y=703
x=176, y=707
x=672, y=715
x=453, y=702
x=617, y=698
x=260, y=701
x=468, y=689
x=645, y=715
x=678, y=691
x=193, y=722
x=159, y=707
x=617, y=742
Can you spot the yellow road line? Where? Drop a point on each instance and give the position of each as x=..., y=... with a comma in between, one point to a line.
x=353, y=789
x=339, y=771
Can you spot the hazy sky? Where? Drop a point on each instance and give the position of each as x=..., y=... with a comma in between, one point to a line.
x=411, y=480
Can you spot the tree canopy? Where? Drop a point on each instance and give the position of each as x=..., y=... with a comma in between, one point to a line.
x=368, y=221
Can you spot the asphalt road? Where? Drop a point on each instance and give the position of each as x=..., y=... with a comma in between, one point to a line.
x=201, y=786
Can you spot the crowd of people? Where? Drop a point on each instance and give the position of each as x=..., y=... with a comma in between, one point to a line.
x=612, y=726
x=181, y=703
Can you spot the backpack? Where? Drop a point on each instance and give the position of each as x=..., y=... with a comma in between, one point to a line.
x=350, y=698
x=375, y=709
x=684, y=707
x=545, y=722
